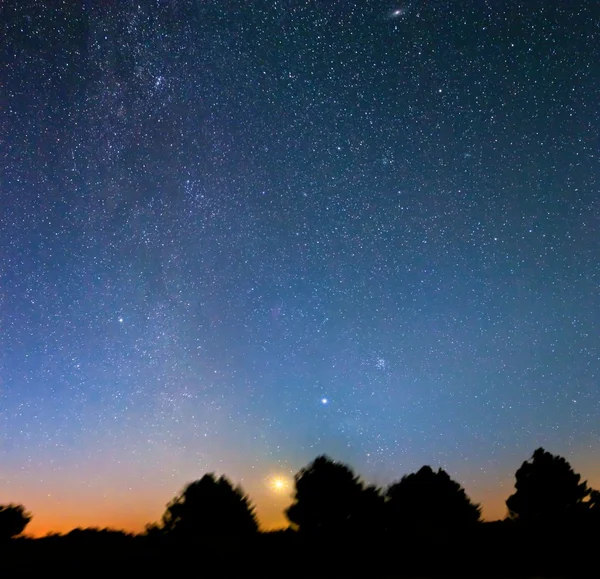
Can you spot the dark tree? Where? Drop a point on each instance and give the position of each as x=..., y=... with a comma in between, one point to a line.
x=594, y=506
x=429, y=501
x=209, y=506
x=329, y=498
x=13, y=520
x=370, y=511
x=547, y=490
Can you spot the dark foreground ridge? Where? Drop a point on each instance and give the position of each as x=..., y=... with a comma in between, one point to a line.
x=494, y=550
x=423, y=525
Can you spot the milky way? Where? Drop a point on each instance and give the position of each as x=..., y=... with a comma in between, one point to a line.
x=235, y=235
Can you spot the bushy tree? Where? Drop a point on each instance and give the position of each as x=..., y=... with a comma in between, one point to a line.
x=547, y=490
x=330, y=498
x=594, y=506
x=370, y=511
x=429, y=500
x=13, y=520
x=209, y=506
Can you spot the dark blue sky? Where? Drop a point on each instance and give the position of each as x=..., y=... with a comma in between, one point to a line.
x=235, y=235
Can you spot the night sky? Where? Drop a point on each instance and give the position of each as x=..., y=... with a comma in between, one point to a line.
x=235, y=235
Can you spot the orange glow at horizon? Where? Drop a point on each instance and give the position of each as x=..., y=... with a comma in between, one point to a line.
x=117, y=503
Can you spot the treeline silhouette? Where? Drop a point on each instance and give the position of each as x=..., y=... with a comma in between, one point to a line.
x=425, y=524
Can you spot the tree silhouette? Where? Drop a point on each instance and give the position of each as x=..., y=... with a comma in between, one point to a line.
x=330, y=498
x=209, y=506
x=428, y=500
x=594, y=506
x=547, y=490
x=370, y=511
x=13, y=520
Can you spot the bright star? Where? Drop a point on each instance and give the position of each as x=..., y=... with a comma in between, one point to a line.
x=324, y=401
x=279, y=484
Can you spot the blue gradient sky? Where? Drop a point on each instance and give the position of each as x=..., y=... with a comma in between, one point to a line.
x=215, y=215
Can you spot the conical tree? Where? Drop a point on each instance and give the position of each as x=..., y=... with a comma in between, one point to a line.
x=328, y=498
x=428, y=501
x=209, y=506
x=547, y=490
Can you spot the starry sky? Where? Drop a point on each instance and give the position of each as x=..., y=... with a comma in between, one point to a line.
x=235, y=235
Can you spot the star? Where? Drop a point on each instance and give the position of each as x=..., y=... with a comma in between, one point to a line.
x=279, y=484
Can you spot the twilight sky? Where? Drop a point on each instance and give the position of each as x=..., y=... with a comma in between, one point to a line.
x=238, y=234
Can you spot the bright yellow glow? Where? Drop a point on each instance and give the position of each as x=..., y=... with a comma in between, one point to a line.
x=279, y=484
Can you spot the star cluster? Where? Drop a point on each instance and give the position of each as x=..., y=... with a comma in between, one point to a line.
x=236, y=235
